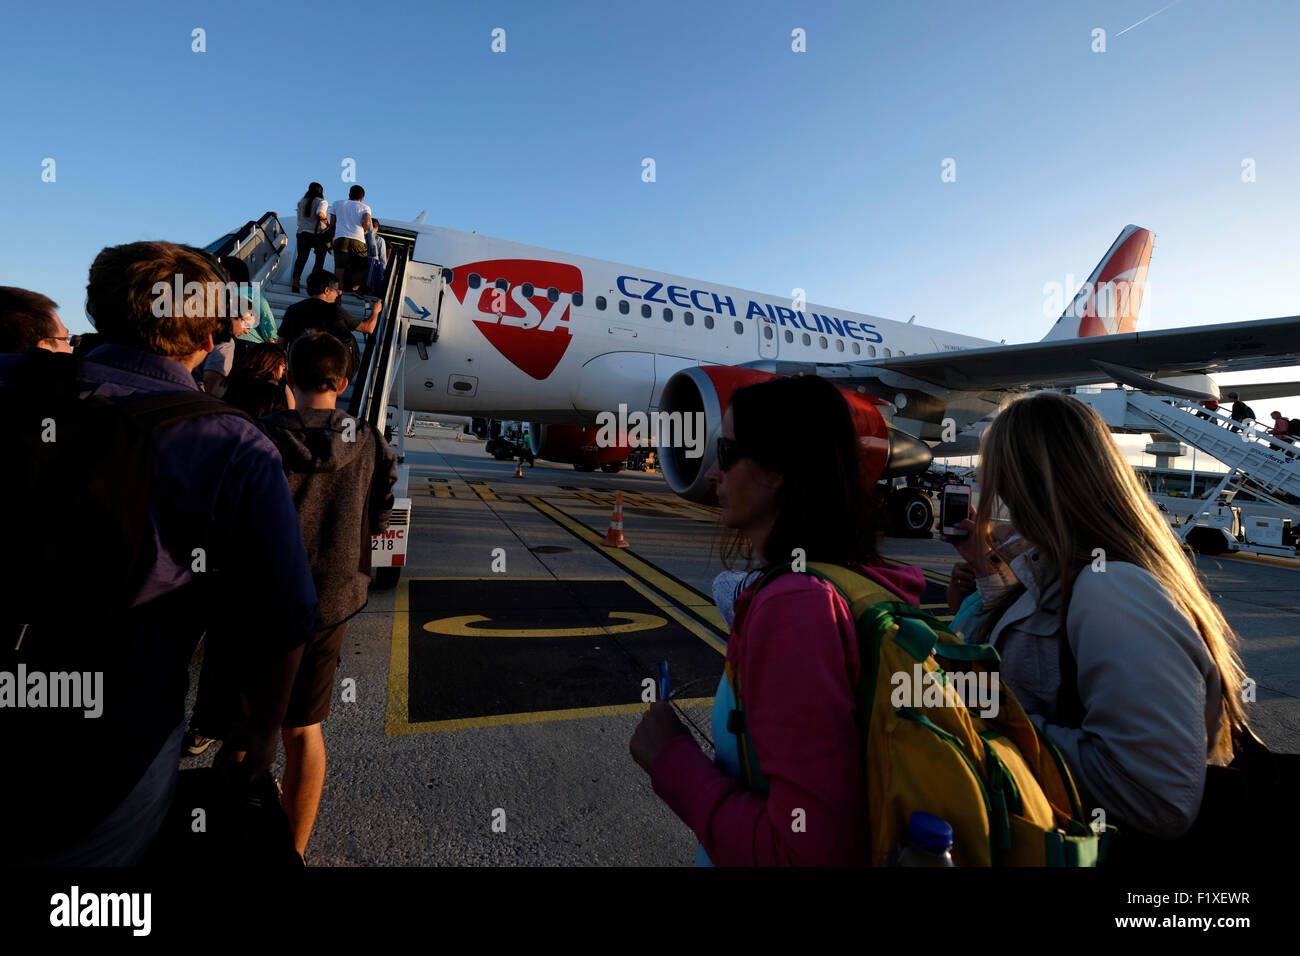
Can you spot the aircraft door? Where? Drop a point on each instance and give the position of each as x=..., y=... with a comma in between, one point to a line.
x=421, y=300
x=769, y=337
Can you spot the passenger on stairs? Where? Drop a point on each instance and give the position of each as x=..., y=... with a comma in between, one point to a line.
x=313, y=230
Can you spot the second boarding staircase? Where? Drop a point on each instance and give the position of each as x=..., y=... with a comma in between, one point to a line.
x=1271, y=463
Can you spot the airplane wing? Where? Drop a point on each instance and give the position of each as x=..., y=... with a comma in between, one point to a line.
x=1262, y=390
x=1227, y=347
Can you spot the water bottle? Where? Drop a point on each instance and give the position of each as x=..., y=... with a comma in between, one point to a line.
x=927, y=843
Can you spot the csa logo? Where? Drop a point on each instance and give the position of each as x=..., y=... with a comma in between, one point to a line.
x=531, y=331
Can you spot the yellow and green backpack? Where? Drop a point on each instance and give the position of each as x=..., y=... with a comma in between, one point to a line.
x=997, y=780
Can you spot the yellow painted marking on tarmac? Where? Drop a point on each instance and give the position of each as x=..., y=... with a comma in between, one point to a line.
x=538, y=717
x=680, y=594
x=441, y=491
x=397, y=722
x=399, y=679
x=463, y=626
x=484, y=492
x=1277, y=561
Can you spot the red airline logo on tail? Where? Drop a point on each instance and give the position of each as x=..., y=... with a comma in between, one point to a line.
x=531, y=331
x=1119, y=283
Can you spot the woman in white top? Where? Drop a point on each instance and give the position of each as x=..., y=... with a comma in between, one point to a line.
x=313, y=225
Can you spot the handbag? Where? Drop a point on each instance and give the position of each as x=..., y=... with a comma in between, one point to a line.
x=1238, y=823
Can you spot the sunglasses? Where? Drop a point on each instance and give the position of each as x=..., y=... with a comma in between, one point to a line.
x=729, y=452
x=72, y=340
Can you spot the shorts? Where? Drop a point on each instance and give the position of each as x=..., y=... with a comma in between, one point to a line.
x=351, y=247
x=313, y=688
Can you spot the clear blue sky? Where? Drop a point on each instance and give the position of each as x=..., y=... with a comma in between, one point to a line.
x=775, y=170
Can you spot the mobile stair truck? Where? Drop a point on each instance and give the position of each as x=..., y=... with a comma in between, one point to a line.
x=1270, y=464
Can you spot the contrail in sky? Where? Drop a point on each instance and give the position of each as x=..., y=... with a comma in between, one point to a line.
x=1145, y=19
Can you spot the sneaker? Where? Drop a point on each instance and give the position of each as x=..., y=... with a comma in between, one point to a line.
x=196, y=744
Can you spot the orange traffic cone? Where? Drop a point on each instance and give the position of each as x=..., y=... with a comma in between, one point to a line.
x=614, y=536
x=519, y=468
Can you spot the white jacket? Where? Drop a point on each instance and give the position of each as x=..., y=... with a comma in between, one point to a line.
x=1149, y=688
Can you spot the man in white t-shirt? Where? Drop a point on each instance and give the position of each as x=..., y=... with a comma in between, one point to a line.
x=351, y=221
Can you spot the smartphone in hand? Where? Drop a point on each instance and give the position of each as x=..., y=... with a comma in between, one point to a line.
x=954, y=508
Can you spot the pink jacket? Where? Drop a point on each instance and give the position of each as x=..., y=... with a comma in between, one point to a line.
x=796, y=652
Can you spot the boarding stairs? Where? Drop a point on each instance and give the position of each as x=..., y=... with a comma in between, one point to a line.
x=1271, y=464
x=411, y=302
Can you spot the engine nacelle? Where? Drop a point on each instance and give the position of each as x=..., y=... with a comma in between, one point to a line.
x=573, y=445
x=888, y=453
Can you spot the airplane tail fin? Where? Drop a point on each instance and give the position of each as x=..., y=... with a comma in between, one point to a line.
x=1108, y=302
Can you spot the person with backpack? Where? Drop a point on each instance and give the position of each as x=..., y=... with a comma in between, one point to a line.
x=1241, y=412
x=341, y=473
x=1107, y=636
x=165, y=496
x=1283, y=427
x=793, y=650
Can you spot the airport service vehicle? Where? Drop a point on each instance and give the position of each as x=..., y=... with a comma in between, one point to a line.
x=500, y=330
x=1222, y=528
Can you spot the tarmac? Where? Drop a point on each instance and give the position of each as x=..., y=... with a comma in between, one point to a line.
x=483, y=707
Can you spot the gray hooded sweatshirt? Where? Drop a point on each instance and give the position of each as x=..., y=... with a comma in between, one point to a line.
x=341, y=475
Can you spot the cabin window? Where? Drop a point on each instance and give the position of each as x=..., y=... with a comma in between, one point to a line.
x=577, y=299
x=668, y=315
x=528, y=290
x=821, y=340
x=857, y=349
x=689, y=318
x=600, y=303
x=475, y=280
x=623, y=307
x=553, y=294
x=645, y=311
x=806, y=339
x=708, y=321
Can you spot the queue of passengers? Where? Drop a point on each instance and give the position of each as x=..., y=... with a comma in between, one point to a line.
x=349, y=230
x=261, y=505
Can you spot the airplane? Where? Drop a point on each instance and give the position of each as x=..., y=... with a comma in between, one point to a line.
x=504, y=330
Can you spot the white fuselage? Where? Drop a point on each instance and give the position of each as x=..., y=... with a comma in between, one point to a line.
x=582, y=343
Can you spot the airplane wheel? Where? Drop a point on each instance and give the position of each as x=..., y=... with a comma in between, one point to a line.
x=911, y=514
x=386, y=578
x=612, y=467
x=584, y=467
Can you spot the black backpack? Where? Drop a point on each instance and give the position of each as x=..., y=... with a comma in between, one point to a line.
x=77, y=484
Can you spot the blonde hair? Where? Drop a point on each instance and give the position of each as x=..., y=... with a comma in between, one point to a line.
x=1051, y=461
